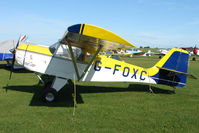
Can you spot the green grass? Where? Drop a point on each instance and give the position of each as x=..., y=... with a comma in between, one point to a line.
x=107, y=107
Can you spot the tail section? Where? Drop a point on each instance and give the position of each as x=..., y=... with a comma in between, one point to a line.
x=173, y=68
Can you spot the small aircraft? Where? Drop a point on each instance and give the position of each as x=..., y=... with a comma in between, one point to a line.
x=148, y=53
x=6, y=51
x=193, y=51
x=76, y=57
x=162, y=52
x=134, y=51
x=124, y=53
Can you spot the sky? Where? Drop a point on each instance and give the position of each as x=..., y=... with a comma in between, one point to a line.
x=153, y=23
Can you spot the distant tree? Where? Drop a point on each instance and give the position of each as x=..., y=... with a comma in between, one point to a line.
x=141, y=47
x=147, y=47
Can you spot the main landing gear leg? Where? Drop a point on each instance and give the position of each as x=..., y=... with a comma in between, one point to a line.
x=51, y=90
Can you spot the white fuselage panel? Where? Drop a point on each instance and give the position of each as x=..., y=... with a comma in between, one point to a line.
x=33, y=61
x=62, y=67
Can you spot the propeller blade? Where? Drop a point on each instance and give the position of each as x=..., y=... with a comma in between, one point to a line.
x=24, y=38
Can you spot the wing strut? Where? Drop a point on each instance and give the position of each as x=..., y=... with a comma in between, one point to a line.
x=73, y=60
x=90, y=62
x=75, y=63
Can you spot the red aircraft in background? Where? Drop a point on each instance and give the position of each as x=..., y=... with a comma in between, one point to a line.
x=193, y=51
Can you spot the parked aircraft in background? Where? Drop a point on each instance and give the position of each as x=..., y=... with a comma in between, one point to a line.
x=134, y=51
x=124, y=53
x=148, y=53
x=193, y=51
x=161, y=52
x=164, y=51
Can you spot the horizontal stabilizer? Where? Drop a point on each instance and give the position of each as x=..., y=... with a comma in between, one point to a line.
x=181, y=73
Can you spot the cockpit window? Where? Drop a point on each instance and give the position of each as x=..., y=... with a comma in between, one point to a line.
x=62, y=50
x=53, y=47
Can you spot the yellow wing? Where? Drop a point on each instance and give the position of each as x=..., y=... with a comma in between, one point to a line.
x=90, y=37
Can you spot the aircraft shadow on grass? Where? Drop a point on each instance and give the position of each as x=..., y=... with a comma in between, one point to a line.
x=3, y=66
x=65, y=98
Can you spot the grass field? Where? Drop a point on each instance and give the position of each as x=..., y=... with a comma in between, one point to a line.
x=101, y=107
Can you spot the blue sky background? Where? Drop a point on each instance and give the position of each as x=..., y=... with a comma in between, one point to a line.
x=154, y=23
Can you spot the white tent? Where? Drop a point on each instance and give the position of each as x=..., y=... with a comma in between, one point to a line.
x=5, y=46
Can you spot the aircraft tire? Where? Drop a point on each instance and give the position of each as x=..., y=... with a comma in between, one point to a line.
x=49, y=95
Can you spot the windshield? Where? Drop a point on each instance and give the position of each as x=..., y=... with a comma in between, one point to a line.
x=62, y=50
x=53, y=47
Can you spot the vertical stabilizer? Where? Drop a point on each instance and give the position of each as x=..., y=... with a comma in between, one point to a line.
x=173, y=68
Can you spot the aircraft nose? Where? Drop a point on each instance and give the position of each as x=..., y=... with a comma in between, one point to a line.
x=19, y=57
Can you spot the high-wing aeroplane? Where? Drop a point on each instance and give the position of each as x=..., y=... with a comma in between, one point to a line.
x=78, y=53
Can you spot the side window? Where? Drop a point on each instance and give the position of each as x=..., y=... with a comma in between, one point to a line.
x=63, y=51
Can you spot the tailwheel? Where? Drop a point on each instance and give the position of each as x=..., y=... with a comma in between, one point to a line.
x=49, y=95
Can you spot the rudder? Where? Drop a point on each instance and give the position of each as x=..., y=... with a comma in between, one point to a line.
x=173, y=68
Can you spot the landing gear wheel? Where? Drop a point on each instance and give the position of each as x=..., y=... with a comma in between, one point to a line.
x=49, y=95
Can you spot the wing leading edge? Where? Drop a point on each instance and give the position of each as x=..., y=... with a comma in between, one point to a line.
x=90, y=37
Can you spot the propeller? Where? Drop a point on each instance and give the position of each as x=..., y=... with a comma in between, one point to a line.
x=13, y=60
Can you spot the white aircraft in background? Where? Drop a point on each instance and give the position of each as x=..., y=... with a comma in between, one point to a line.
x=76, y=56
x=134, y=51
x=148, y=53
